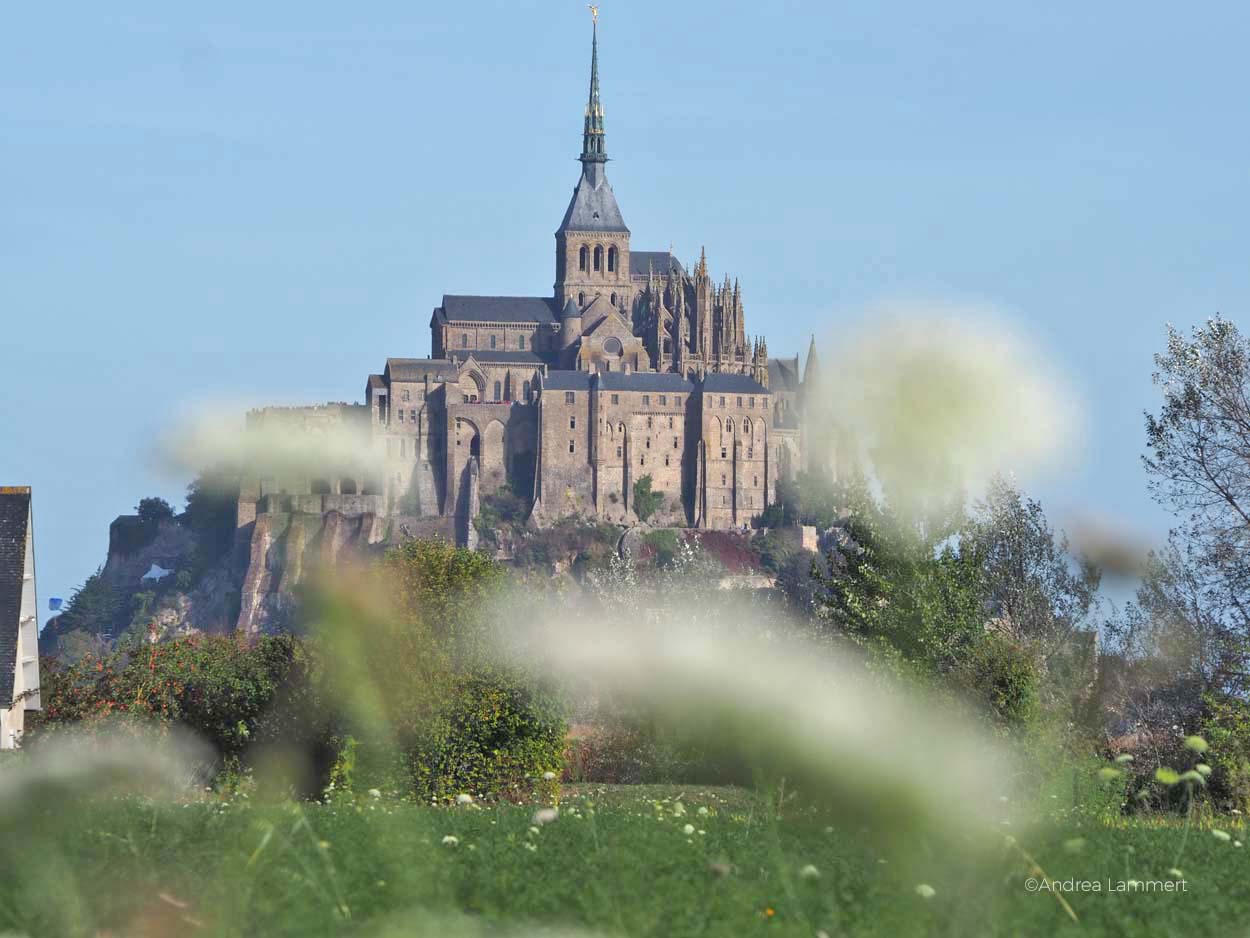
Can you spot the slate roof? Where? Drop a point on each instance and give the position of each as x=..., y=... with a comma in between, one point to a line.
x=375, y=382
x=507, y=357
x=643, y=262
x=415, y=369
x=567, y=381
x=733, y=384
x=643, y=381
x=783, y=374
x=593, y=206
x=14, y=516
x=497, y=309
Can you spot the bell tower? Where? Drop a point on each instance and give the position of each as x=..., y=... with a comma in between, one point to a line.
x=592, y=243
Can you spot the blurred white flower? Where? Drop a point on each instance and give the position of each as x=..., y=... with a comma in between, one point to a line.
x=374, y=793
x=549, y=776
x=809, y=872
x=545, y=816
x=464, y=798
x=925, y=891
x=451, y=840
x=1221, y=835
x=688, y=829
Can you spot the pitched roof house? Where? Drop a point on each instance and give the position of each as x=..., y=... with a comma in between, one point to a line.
x=19, y=626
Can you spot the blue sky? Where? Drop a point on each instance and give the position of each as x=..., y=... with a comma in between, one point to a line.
x=262, y=202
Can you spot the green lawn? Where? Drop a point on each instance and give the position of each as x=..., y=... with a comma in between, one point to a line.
x=617, y=861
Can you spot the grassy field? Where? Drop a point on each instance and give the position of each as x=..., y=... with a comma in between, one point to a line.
x=654, y=861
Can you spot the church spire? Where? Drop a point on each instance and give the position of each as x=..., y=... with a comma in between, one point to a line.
x=592, y=136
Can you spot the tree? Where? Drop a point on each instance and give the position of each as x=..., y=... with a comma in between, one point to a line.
x=646, y=502
x=212, y=509
x=153, y=510
x=1038, y=592
x=1199, y=463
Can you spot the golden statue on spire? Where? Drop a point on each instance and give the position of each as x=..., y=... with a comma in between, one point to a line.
x=594, y=12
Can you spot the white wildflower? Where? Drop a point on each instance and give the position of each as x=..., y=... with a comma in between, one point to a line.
x=464, y=798
x=549, y=776
x=1221, y=835
x=688, y=829
x=809, y=872
x=545, y=816
x=374, y=793
x=925, y=891
x=451, y=840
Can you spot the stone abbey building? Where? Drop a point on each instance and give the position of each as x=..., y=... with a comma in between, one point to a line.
x=634, y=366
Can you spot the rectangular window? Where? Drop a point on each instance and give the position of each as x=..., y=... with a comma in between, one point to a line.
x=739, y=401
x=616, y=398
x=642, y=460
x=722, y=478
x=755, y=481
x=520, y=342
x=648, y=442
x=401, y=415
x=666, y=460
x=618, y=452
x=646, y=400
x=675, y=443
x=751, y=402
x=722, y=400
x=572, y=423
x=648, y=423
x=572, y=447
x=663, y=400
x=492, y=345
x=568, y=397
x=723, y=452
x=677, y=400
x=405, y=395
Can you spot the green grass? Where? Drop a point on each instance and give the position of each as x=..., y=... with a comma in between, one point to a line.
x=617, y=861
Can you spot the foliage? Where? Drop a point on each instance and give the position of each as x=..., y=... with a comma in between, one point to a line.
x=95, y=609
x=1226, y=726
x=579, y=542
x=154, y=510
x=1004, y=677
x=432, y=707
x=646, y=502
x=503, y=508
x=211, y=512
x=664, y=545
x=809, y=498
x=1199, y=463
x=217, y=687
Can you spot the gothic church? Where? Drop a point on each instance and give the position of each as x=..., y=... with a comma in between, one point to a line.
x=634, y=369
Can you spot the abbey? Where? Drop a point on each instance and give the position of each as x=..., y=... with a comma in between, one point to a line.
x=634, y=369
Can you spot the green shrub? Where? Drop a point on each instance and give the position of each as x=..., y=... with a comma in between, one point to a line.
x=646, y=502
x=221, y=689
x=1226, y=728
x=1005, y=677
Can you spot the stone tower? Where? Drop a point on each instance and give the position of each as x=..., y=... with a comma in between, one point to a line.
x=592, y=243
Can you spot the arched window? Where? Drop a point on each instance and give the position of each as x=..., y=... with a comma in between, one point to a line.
x=520, y=342
x=612, y=262
x=583, y=256
x=598, y=257
x=729, y=426
x=613, y=299
x=464, y=340
x=621, y=430
x=581, y=299
x=498, y=391
x=492, y=341
x=525, y=390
